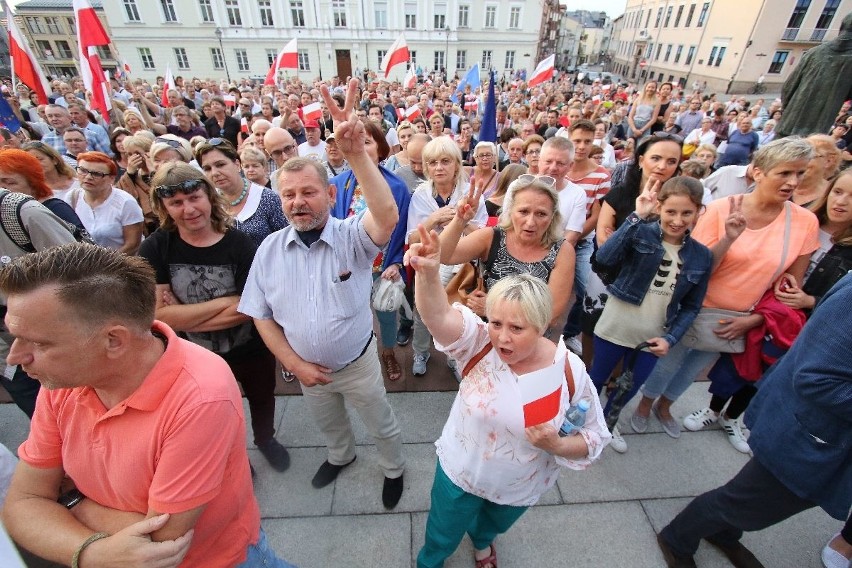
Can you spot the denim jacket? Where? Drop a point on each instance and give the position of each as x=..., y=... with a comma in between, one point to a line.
x=637, y=247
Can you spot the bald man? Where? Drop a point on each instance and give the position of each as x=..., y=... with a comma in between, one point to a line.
x=280, y=146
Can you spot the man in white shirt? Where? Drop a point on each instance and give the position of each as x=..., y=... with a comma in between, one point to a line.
x=312, y=147
x=557, y=155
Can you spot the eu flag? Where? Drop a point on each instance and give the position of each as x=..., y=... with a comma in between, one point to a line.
x=488, y=130
x=7, y=116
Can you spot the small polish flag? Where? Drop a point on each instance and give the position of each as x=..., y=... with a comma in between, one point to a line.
x=230, y=100
x=244, y=125
x=543, y=71
x=410, y=80
x=168, y=83
x=596, y=99
x=398, y=53
x=412, y=113
x=312, y=111
x=288, y=58
x=541, y=392
x=126, y=66
x=606, y=87
x=400, y=113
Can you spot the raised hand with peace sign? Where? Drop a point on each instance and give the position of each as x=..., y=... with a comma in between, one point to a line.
x=646, y=203
x=349, y=132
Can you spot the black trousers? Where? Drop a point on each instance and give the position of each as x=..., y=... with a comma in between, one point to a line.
x=753, y=500
x=256, y=374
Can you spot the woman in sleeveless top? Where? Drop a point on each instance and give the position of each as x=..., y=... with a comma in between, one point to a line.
x=527, y=239
x=644, y=112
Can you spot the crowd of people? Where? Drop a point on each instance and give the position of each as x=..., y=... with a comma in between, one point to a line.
x=639, y=230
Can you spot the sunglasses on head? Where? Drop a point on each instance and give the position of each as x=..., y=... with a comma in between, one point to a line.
x=530, y=178
x=185, y=187
x=173, y=143
x=666, y=136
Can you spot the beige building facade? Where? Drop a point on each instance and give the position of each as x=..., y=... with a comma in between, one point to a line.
x=724, y=46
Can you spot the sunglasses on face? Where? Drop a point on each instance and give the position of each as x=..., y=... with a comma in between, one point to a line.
x=185, y=187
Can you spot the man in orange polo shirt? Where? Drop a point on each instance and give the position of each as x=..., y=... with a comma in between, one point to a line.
x=148, y=427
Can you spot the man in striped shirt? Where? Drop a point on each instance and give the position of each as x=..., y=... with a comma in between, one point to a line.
x=309, y=292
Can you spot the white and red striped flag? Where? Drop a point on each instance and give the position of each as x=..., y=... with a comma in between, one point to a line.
x=412, y=113
x=90, y=36
x=288, y=58
x=543, y=71
x=398, y=53
x=410, y=80
x=168, y=83
x=24, y=62
x=312, y=111
x=541, y=392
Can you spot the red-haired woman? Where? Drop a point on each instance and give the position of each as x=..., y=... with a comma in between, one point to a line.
x=22, y=173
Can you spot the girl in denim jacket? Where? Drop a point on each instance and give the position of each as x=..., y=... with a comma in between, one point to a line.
x=660, y=287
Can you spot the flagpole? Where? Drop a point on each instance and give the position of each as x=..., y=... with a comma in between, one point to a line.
x=8, y=13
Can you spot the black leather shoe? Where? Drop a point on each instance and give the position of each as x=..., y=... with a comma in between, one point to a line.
x=391, y=492
x=403, y=336
x=275, y=454
x=674, y=560
x=327, y=473
x=739, y=555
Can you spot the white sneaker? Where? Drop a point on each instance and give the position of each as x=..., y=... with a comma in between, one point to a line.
x=833, y=559
x=618, y=444
x=575, y=344
x=735, y=434
x=419, y=366
x=700, y=419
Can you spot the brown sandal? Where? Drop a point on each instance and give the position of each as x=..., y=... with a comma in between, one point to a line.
x=391, y=365
x=489, y=561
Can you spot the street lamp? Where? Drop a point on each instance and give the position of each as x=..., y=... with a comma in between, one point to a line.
x=218, y=33
x=447, y=55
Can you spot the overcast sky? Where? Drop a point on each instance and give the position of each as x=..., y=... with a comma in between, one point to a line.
x=612, y=7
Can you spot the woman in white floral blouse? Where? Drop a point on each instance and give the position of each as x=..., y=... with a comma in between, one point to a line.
x=491, y=467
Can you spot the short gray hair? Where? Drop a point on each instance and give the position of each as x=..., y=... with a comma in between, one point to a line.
x=790, y=149
x=531, y=294
x=487, y=145
x=560, y=143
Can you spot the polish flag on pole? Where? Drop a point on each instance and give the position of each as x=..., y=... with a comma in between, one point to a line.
x=543, y=72
x=312, y=111
x=91, y=35
x=398, y=53
x=168, y=83
x=412, y=113
x=410, y=80
x=244, y=125
x=541, y=392
x=24, y=64
x=288, y=58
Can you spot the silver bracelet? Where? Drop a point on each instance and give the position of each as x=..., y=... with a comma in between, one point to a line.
x=75, y=560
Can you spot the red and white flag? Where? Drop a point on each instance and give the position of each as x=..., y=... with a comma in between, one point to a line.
x=312, y=111
x=410, y=80
x=398, y=53
x=288, y=58
x=126, y=67
x=541, y=392
x=168, y=83
x=230, y=100
x=24, y=62
x=412, y=113
x=543, y=71
x=244, y=125
x=90, y=36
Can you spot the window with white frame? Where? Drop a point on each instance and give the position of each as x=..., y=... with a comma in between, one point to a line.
x=412, y=57
x=35, y=25
x=486, y=59
x=778, y=61
x=182, y=59
x=461, y=59
x=440, y=16
x=63, y=49
x=464, y=16
x=491, y=16
x=242, y=59
x=380, y=9
x=265, y=8
x=218, y=58
x=206, y=7
x=53, y=26
x=380, y=57
x=411, y=16
x=338, y=9
x=232, y=7
x=439, y=60
x=690, y=54
x=169, y=14
x=304, y=60
x=131, y=11
x=147, y=58
x=271, y=56
x=678, y=53
x=297, y=12
x=45, y=48
x=510, y=60
x=514, y=17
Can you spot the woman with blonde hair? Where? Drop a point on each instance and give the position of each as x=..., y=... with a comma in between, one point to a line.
x=404, y=131
x=58, y=175
x=254, y=165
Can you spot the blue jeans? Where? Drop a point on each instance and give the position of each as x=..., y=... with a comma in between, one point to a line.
x=260, y=555
x=676, y=371
x=582, y=269
x=607, y=356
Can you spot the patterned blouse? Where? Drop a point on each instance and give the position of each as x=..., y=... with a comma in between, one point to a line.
x=505, y=264
x=483, y=448
x=262, y=214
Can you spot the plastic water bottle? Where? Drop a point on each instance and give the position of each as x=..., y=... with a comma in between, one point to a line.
x=575, y=418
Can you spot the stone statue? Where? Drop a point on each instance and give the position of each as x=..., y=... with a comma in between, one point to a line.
x=818, y=86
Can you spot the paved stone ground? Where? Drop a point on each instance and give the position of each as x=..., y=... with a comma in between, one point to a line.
x=606, y=516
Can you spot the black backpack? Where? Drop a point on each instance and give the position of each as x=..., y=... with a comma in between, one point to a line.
x=12, y=224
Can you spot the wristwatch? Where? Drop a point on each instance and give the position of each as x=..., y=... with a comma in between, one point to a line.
x=70, y=498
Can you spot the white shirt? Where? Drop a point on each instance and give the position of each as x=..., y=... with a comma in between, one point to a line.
x=105, y=223
x=483, y=447
x=317, y=152
x=423, y=204
x=572, y=206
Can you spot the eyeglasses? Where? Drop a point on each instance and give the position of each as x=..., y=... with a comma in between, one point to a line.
x=534, y=151
x=173, y=143
x=288, y=149
x=446, y=162
x=83, y=172
x=484, y=156
x=530, y=178
x=185, y=187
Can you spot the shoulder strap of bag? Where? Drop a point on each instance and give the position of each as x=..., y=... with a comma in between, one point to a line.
x=11, y=221
x=786, y=248
x=492, y=250
x=569, y=375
